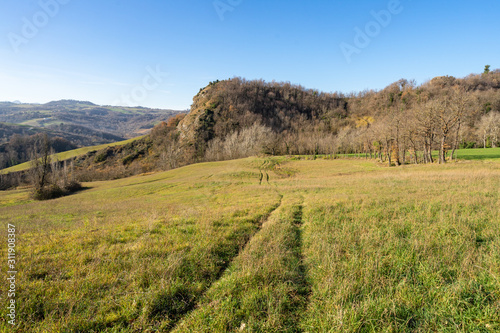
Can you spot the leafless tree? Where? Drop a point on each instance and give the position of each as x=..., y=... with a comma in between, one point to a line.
x=489, y=129
x=39, y=172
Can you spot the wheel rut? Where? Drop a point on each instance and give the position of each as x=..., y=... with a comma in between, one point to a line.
x=194, y=302
x=302, y=284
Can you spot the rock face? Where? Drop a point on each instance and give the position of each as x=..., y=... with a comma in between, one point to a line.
x=190, y=125
x=232, y=105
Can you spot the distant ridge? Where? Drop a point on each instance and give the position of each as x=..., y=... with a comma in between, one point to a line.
x=69, y=102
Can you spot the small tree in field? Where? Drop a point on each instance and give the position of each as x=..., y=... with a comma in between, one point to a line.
x=40, y=164
x=48, y=179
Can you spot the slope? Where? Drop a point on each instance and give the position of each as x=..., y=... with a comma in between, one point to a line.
x=337, y=245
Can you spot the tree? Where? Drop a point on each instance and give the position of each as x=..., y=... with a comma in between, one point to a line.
x=489, y=129
x=460, y=101
x=448, y=117
x=425, y=122
x=48, y=179
x=40, y=163
x=487, y=69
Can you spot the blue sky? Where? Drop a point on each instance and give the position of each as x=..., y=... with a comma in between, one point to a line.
x=160, y=53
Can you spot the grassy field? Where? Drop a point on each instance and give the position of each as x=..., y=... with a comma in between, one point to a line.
x=70, y=154
x=461, y=154
x=263, y=245
x=478, y=154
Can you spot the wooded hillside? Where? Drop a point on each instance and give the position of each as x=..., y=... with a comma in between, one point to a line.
x=400, y=124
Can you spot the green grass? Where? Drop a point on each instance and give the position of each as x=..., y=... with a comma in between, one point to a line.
x=265, y=288
x=121, y=110
x=478, y=154
x=264, y=245
x=461, y=154
x=70, y=154
x=131, y=254
x=405, y=251
x=12, y=124
x=31, y=123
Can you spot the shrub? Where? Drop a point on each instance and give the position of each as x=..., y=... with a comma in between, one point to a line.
x=48, y=192
x=54, y=191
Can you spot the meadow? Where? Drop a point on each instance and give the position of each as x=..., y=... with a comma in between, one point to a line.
x=66, y=155
x=263, y=245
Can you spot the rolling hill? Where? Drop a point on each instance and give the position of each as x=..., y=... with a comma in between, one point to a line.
x=76, y=117
x=76, y=123
x=71, y=154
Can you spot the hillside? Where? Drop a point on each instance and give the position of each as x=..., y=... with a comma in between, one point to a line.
x=79, y=124
x=228, y=106
x=78, y=135
x=264, y=245
x=73, y=154
x=76, y=117
x=403, y=123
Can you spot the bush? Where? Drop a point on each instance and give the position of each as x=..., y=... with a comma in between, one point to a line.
x=54, y=191
x=467, y=145
x=48, y=192
x=72, y=186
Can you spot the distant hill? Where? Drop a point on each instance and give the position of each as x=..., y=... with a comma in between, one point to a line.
x=76, y=123
x=71, y=117
x=78, y=135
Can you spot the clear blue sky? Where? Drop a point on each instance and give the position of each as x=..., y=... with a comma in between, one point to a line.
x=102, y=51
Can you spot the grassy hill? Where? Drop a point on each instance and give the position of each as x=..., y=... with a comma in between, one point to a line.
x=264, y=245
x=71, y=154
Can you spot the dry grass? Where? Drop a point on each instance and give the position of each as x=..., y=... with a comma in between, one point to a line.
x=345, y=246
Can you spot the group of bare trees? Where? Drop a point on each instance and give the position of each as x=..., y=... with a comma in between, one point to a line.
x=241, y=143
x=489, y=129
x=18, y=149
x=420, y=120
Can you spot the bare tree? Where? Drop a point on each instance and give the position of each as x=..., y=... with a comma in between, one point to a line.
x=40, y=163
x=489, y=129
x=460, y=102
